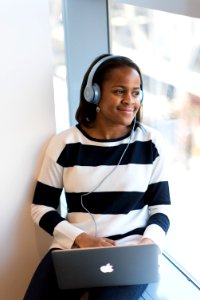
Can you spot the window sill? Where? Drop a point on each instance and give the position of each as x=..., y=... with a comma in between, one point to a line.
x=173, y=285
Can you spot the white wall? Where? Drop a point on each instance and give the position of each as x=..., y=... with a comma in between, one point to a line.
x=26, y=123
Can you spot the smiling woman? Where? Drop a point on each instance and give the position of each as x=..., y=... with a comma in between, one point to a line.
x=113, y=172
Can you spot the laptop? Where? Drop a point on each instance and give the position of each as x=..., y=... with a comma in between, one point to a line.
x=106, y=266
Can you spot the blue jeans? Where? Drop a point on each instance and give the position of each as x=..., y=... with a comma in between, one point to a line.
x=44, y=286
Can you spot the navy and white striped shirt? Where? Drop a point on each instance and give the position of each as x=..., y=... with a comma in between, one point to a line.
x=124, y=202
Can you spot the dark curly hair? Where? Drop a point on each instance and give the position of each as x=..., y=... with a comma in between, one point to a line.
x=86, y=112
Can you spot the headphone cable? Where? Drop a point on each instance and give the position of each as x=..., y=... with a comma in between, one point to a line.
x=108, y=175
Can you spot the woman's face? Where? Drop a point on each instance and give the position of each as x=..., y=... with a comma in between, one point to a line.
x=119, y=103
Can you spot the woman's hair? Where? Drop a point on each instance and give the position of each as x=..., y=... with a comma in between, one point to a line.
x=86, y=112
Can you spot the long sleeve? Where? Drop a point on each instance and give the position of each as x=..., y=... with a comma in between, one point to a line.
x=157, y=197
x=47, y=197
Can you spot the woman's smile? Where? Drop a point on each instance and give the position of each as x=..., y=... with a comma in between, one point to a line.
x=128, y=109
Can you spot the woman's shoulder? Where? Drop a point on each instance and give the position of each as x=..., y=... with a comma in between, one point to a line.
x=148, y=132
x=59, y=140
x=66, y=134
x=153, y=135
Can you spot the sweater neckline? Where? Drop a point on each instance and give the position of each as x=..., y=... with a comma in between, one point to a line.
x=100, y=140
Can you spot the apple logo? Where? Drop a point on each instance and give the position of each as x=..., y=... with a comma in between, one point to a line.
x=107, y=268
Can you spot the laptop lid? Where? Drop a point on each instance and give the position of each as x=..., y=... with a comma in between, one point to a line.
x=107, y=266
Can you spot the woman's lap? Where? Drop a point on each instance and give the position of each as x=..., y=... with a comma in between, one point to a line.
x=44, y=286
x=117, y=293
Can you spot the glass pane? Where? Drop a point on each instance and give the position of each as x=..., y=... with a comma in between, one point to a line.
x=167, y=48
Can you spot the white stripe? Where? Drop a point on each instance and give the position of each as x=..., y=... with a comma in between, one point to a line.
x=73, y=135
x=120, y=223
x=65, y=233
x=51, y=173
x=38, y=211
x=129, y=240
x=156, y=234
x=164, y=209
x=131, y=177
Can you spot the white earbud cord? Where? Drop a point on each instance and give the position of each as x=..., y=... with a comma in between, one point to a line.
x=101, y=182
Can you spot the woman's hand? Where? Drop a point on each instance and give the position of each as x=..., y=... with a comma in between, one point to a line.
x=145, y=241
x=85, y=240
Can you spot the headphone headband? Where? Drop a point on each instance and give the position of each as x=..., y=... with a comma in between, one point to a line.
x=92, y=91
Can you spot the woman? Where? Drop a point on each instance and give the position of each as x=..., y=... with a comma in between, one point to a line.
x=112, y=169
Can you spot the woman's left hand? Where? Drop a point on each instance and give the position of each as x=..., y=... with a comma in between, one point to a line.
x=145, y=241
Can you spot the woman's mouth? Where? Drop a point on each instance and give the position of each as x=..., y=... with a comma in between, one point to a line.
x=126, y=109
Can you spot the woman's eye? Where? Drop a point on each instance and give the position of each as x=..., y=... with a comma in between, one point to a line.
x=119, y=92
x=136, y=93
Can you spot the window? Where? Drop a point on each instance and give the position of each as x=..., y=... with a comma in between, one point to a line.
x=167, y=48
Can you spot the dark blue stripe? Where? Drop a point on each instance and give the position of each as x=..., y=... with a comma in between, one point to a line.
x=46, y=195
x=119, y=202
x=158, y=193
x=106, y=202
x=161, y=220
x=50, y=220
x=116, y=237
x=88, y=155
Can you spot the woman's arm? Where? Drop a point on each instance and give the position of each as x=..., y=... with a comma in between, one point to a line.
x=46, y=198
x=157, y=197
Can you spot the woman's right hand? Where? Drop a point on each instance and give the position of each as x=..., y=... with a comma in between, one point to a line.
x=85, y=240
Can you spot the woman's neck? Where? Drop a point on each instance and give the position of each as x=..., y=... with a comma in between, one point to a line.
x=102, y=132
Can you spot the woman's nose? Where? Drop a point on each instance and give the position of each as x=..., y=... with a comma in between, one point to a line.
x=128, y=98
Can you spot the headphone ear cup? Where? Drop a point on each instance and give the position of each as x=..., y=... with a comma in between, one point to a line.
x=92, y=93
x=97, y=93
x=141, y=101
x=88, y=93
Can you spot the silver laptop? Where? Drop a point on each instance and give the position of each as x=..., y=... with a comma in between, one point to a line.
x=107, y=266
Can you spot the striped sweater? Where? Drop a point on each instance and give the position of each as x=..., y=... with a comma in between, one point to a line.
x=123, y=200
